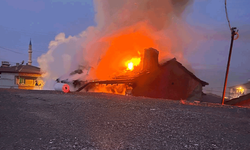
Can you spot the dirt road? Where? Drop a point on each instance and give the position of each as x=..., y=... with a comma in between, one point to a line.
x=53, y=120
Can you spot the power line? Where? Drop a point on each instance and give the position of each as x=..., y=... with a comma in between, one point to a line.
x=227, y=15
x=3, y=48
x=34, y=50
x=7, y=49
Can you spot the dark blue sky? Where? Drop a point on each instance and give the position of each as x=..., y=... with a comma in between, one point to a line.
x=42, y=20
x=210, y=57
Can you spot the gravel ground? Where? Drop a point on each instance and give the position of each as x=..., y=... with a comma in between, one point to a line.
x=88, y=121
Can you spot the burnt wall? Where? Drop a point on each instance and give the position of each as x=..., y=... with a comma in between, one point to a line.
x=196, y=94
x=169, y=82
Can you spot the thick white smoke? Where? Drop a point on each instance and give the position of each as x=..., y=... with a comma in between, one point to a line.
x=157, y=20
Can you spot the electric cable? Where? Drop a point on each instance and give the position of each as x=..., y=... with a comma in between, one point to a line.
x=227, y=15
x=11, y=50
x=231, y=29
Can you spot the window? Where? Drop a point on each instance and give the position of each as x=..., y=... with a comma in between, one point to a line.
x=21, y=80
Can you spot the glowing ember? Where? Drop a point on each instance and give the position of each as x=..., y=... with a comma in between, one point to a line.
x=132, y=62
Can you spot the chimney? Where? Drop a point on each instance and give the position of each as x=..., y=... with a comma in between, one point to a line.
x=5, y=64
x=17, y=64
x=150, y=60
x=30, y=54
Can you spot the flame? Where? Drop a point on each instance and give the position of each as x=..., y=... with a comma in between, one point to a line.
x=132, y=62
x=130, y=66
x=122, y=52
x=119, y=89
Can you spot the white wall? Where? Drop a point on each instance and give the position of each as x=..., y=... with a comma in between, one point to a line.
x=7, y=80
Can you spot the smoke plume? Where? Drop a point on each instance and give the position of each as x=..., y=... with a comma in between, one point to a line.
x=124, y=29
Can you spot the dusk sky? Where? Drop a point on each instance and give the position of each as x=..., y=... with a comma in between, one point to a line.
x=42, y=20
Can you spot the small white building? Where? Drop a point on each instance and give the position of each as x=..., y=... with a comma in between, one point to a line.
x=20, y=76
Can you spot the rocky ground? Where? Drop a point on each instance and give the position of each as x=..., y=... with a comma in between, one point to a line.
x=54, y=120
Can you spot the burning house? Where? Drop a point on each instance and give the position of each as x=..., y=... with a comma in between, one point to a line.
x=170, y=80
x=114, y=48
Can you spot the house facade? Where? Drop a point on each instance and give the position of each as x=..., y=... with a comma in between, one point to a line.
x=170, y=80
x=20, y=76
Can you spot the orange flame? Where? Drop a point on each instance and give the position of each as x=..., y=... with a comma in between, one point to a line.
x=123, y=47
x=132, y=62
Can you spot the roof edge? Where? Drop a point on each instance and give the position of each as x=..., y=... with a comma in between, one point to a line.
x=203, y=83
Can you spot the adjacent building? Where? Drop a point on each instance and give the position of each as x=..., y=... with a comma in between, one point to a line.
x=21, y=76
x=243, y=100
x=239, y=90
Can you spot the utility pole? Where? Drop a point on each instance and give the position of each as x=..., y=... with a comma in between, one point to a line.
x=233, y=33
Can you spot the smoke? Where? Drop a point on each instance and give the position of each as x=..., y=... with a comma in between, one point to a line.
x=157, y=13
x=124, y=29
